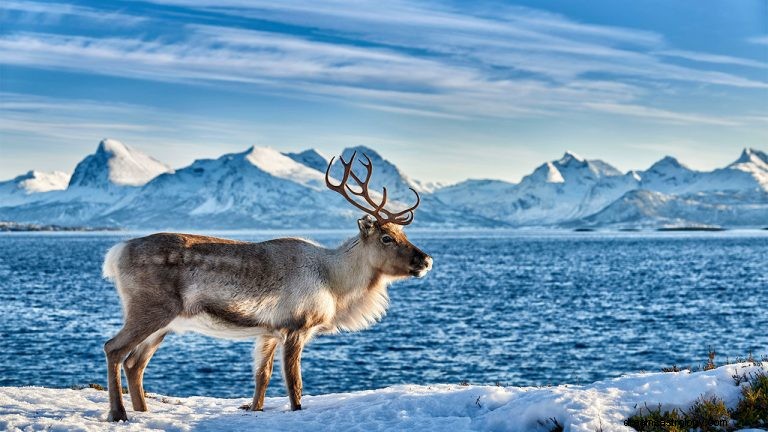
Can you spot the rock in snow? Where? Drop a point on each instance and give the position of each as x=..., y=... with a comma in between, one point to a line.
x=263, y=188
x=603, y=405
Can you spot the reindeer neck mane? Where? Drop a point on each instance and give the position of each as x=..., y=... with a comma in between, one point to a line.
x=360, y=290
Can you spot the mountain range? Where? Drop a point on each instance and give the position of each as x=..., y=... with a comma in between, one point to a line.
x=118, y=186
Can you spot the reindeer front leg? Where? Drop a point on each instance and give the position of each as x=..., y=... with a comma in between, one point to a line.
x=263, y=358
x=292, y=347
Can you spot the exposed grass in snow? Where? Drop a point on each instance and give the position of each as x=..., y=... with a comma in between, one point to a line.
x=710, y=413
x=752, y=409
x=604, y=405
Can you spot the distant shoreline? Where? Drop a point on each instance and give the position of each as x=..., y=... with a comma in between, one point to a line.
x=21, y=228
x=27, y=227
x=692, y=229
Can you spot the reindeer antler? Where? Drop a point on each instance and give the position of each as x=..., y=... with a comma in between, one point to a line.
x=378, y=211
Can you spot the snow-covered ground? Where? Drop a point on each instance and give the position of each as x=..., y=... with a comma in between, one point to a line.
x=604, y=404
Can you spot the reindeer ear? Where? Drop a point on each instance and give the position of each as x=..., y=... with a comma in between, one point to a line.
x=366, y=225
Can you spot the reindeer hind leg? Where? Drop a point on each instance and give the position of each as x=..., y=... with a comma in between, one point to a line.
x=136, y=363
x=140, y=323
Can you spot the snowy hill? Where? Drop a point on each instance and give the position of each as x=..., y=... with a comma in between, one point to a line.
x=385, y=174
x=749, y=173
x=603, y=405
x=311, y=158
x=668, y=176
x=672, y=195
x=263, y=188
x=648, y=209
x=115, y=164
x=432, y=210
x=100, y=180
x=257, y=188
x=30, y=186
x=575, y=192
x=556, y=192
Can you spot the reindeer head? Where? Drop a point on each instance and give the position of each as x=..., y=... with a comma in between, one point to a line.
x=381, y=230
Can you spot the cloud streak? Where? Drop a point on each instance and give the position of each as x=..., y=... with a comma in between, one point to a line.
x=420, y=59
x=759, y=40
x=660, y=114
x=31, y=10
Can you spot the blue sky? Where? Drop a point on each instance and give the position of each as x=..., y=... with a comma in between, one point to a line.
x=445, y=89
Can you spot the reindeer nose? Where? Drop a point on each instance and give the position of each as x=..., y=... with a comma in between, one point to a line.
x=428, y=262
x=421, y=261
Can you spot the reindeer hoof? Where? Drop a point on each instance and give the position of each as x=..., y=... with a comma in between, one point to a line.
x=296, y=407
x=249, y=407
x=117, y=415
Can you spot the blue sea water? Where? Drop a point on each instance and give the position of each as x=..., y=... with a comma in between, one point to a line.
x=517, y=308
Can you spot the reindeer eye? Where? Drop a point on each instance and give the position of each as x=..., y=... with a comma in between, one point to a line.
x=386, y=239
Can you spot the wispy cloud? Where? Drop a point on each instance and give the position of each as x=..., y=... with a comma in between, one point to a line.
x=423, y=59
x=660, y=114
x=508, y=39
x=293, y=64
x=713, y=58
x=35, y=10
x=82, y=123
x=760, y=40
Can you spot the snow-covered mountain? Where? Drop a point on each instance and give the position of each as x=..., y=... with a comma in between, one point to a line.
x=642, y=208
x=260, y=187
x=670, y=194
x=573, y=191
x=432, y=211
x=30, y=186
x=116, y=165
x=668, y=175
x=385, y=173
x=748, y=173
x=555, y=192
x=311, y=158
x=100, y=181
x=263, y=188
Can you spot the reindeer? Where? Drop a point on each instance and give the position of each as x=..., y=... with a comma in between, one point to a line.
x=278, y=292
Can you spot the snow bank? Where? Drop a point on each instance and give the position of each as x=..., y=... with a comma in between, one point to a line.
x=441, y=408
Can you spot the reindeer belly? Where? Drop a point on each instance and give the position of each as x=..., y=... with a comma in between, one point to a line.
x=216, y=310
x=206, y=324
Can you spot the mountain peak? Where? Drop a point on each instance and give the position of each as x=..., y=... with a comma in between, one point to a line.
x=311, y=158
x=750, y=155
x=547, y=173
x=276, y=164
x=633, y=175
x=573, y=167
x=266, y=157
x=371, y=153
x=34, y=181
x=569, y=156
x=27, y=175
x=668, y=162
x=28, y=187
x=385, y=173
x=116, y=164
x=111, y=146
